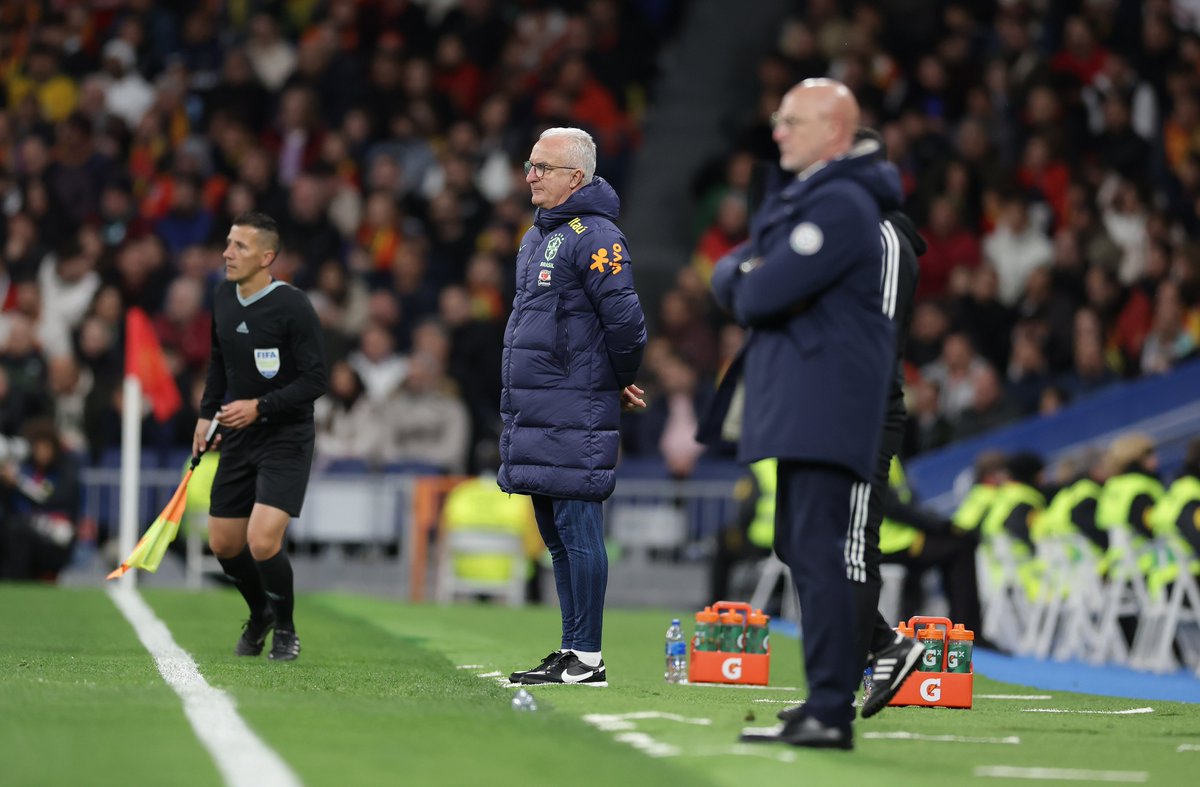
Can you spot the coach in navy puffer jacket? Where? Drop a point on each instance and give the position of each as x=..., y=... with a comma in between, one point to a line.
x=571, y=350
x=574, y=341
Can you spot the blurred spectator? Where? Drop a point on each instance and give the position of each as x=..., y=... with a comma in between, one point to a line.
x=184, y=327
x=1090, y=372
x=956, y=373
x=1169, y=341
x=347, y=422
x=989, y=408
x=128, y=95
x=1015, y=248
x=425, y=422
x=377, y=363
x=979, y=314
x=67, y=282
x=728, y=230
x=950, y=245
x=39, y=507
x=1028, y=371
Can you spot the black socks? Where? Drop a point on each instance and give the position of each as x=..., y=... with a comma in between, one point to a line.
x=277, y=579
x=244, y=572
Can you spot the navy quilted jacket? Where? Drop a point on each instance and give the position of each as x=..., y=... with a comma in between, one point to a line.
x=574, y=340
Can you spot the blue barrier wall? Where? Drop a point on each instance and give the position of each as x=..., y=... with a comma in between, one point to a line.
x=1167, y=407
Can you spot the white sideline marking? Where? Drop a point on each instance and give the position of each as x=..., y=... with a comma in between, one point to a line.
x=469, y=666
x=1127, y=712
x=1063, y=774
x=781, y=702
x=647, y=744
x=490, y=674
x=625, y=721
x=1188, y=747
x=743, y=750
x=1011, y=740
x=1014, y=696
x=240, y=755
x=740, y=686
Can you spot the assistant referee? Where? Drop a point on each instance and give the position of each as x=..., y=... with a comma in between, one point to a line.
x=266, y=369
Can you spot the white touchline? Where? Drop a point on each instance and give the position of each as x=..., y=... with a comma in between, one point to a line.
x=740, y=686
x=489, y=674
x=1014, y=697
x=240, y=755
x=469, y=666
x=1060, y=774
x=1127, y=712
x=1188, y=747
x=781, y=702
x=1011, y=740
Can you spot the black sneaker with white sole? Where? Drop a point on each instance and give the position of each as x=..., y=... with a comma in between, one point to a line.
x=285, y=646
x=545, y=664
x=254, y=634
x=569, y=669
x=889, y=669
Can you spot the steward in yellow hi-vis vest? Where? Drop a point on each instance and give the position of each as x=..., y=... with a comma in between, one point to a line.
x=751, y=535
x=1015, y=512
x=478, y=504
x=919, y=539
x=990, y=471
x=1128, y=497
x=1175, y=522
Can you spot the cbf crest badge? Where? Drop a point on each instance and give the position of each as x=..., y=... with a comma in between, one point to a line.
x=266, y=360
x=552, y=245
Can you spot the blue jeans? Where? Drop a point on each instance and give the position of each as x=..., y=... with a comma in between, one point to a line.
x=574, y=533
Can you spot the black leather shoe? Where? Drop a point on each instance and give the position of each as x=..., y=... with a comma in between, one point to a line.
x=788, y=714
x=805, y=731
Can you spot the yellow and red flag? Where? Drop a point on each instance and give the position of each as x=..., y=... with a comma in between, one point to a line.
x=150, y=550
x=144, y=359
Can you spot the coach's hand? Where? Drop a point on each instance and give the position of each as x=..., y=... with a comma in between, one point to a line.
x=631, y=398
x=239, y=414
x=201, y=433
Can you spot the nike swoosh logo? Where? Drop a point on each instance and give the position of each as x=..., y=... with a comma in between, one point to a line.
x=570, y=677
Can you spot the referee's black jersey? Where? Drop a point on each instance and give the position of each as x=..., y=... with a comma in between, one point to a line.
x=265, y=347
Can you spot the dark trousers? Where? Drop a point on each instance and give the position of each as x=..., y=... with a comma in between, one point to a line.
x=874, y=633
x=812, y=501
x=574, y=533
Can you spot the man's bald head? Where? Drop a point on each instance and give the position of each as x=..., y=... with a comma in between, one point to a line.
x=816, y=121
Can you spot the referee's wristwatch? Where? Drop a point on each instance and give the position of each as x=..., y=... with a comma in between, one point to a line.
x=750, y=264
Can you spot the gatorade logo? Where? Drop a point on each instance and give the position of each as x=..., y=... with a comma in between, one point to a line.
x=931, y=690
x=732, y=668
x=929, y=660
x=952, y=661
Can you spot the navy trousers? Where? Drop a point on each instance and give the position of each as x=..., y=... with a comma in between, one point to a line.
x=812, y=507
x=574, y=533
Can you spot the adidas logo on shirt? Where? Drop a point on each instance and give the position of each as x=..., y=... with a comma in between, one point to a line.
x=242, y=328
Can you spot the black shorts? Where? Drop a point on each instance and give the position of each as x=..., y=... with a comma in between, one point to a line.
x=262, y=464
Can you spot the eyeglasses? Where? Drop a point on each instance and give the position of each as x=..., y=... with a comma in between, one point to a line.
x=787, y=122
x=541, y=168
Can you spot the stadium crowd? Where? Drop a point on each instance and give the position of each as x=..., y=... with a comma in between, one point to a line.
x=385, y=137
x=1050, y=153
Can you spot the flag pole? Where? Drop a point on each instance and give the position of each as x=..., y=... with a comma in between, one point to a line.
x=131, y=463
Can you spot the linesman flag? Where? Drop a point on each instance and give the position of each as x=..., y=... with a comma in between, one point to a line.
x=150, y=549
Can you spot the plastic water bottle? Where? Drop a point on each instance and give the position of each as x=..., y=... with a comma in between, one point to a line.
x=523, y=701
x=676, y=650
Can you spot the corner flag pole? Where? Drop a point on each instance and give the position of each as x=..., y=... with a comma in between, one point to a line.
x=131, y=463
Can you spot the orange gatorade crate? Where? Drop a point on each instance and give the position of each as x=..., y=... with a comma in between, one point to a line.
x=738, y=650
x=945, y=678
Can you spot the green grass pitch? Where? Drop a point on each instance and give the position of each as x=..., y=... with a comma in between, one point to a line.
x=377, y=698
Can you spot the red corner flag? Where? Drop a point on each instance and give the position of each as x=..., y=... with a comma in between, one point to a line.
x=144, y=359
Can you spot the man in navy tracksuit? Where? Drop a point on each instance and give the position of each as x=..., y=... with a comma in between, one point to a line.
x=571, y=352
x=815, y=371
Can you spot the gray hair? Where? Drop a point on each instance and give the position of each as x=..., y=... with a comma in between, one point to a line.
x=581, y=149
